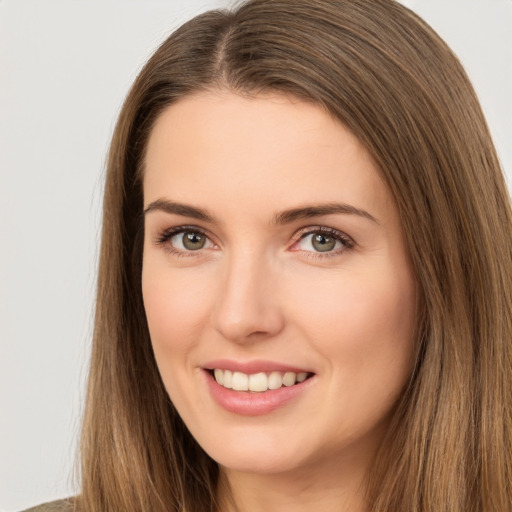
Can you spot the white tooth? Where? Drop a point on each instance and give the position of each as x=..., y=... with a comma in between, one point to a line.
x=302, y=376
x=258, y=382
x=275, y=380
x=240, y=381
x=219, y=376
x=227, y=380
x=289, y=378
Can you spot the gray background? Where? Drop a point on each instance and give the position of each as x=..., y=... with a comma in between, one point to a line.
x=65, y=67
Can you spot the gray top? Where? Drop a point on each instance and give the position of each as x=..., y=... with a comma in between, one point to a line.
x=54, y=506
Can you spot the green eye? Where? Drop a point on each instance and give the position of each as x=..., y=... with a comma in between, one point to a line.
x=189, y=240
x=323, y=243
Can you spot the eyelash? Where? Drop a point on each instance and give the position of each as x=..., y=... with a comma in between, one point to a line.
x=345, y=240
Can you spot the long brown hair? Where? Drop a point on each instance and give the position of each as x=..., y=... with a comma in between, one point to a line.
x=395, y=84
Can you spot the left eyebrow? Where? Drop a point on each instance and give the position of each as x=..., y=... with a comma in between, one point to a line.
x=305, y=212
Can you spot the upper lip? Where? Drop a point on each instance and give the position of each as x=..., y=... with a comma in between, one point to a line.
x=252, y=367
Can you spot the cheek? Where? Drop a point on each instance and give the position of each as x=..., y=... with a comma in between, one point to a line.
x=176, y=305
x=362, y=322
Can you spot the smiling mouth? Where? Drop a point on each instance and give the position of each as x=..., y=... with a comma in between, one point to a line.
x=257, y=382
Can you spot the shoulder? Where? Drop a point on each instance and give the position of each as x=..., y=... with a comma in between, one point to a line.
x=54, y=506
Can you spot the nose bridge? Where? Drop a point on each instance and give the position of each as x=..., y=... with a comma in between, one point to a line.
x=247, y=299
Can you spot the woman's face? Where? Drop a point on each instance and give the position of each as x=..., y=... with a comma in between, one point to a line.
x=274, y=261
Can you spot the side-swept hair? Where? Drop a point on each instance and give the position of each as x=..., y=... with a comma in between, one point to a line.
x=394, y=83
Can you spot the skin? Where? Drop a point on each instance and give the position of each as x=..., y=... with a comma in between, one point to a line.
x=261, y=290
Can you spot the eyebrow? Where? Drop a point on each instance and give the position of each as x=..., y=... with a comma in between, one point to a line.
x=281, y=218
x=305, y=212
x=179, y=209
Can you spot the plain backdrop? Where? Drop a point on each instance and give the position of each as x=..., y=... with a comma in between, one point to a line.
x=65, y=67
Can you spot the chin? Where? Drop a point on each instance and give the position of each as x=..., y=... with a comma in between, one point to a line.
x=258, y=463
x=249, y=455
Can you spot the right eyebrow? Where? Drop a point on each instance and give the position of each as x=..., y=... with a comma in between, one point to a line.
x=179, y=209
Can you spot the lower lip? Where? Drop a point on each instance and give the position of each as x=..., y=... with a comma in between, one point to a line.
x=252, y=403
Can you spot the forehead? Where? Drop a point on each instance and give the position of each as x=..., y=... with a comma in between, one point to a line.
x=270, y=150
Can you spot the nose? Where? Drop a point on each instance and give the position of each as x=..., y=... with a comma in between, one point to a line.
x=248, y=306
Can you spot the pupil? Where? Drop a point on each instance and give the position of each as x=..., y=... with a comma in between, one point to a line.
x=193, y=241
x=323, y=243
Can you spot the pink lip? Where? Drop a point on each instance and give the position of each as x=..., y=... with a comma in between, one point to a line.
x=248, y=403
x=251, y=367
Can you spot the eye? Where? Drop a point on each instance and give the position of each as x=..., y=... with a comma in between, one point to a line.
x=323, y=240
x=319, y=242
x=184, y=240
x=189, y=241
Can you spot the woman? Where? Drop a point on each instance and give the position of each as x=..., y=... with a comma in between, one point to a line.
x=305, y=282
